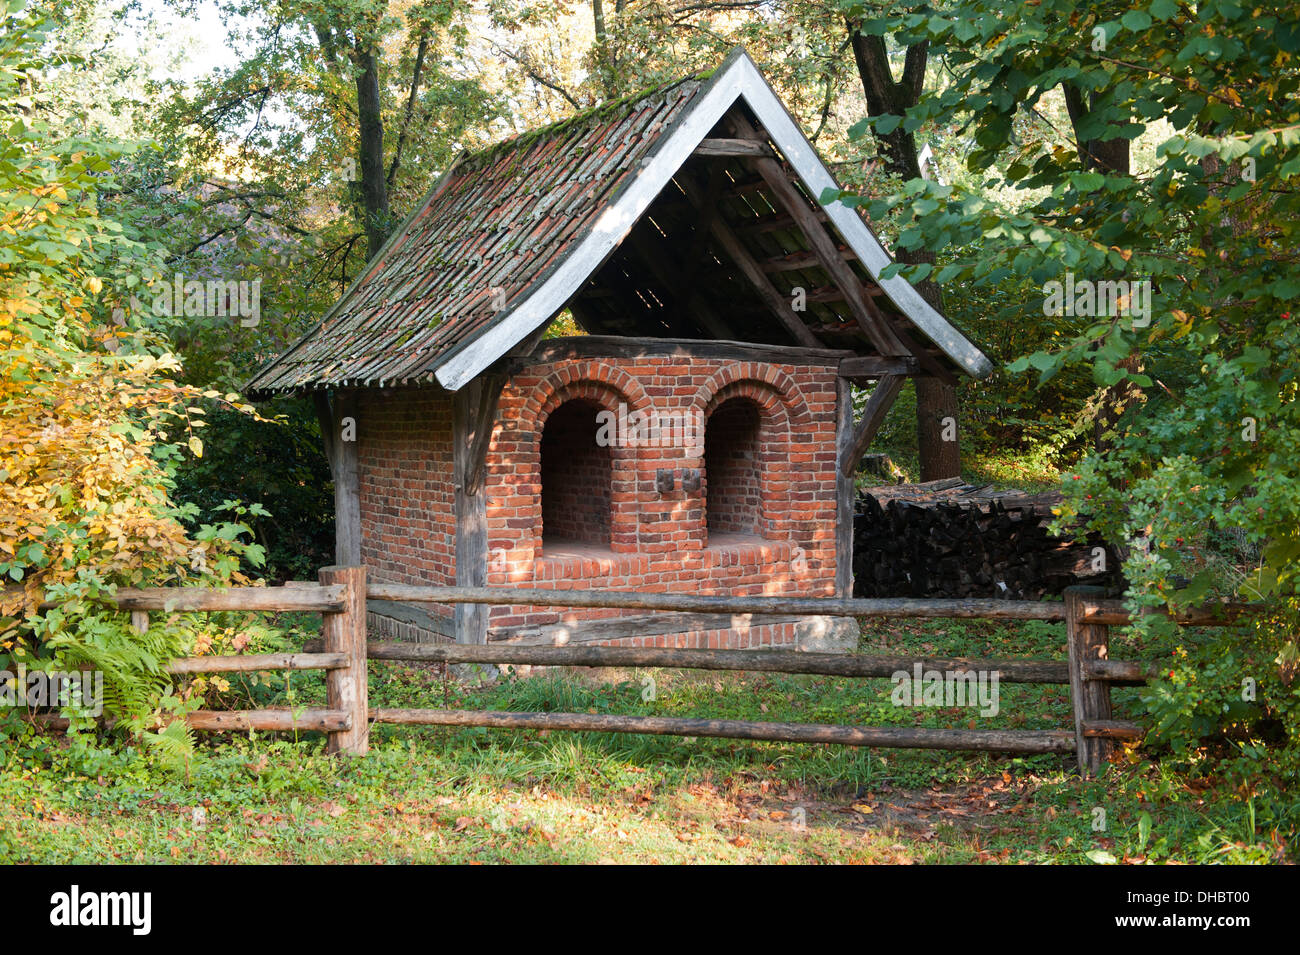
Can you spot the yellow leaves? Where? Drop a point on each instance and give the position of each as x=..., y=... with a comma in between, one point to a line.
x=94, y=285
x=20, y=306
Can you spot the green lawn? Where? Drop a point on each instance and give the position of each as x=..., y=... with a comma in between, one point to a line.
x=479, y=795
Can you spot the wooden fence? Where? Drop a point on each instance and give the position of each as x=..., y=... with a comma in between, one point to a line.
x=341, y=594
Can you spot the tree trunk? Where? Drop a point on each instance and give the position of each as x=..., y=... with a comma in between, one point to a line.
x=935, y=400
x=1102, y=155
x=374, y=185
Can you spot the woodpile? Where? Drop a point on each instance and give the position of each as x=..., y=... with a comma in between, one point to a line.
x=952, y=539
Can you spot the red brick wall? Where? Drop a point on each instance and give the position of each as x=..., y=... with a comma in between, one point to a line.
x=404, y=469
x=650, y=541
x=659, y=541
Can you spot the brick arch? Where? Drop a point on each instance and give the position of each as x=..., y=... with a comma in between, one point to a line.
x=604, y=386
x=782, y=411
x=774, y=386
x=593, y=380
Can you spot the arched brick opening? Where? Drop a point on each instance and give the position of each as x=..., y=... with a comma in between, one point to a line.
x=732, y=468
x=782, y=412
x=577, y=478
x=520, y=518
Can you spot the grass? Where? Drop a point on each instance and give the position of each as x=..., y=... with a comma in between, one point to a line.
x=479, y=795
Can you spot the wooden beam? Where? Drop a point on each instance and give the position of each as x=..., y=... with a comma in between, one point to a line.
x=792, y=200
x=339, y=431
x=255, y=662
x=285, y=721
x=800, y=260
x=998, y=741
x=732, y=147
x=979, y=607
x=857, y=665
x=874, y=366
x=779, y=305
x=873, y=416
x=619, y=346
x=183, y=599
x=346, y=688
x=473, y=411
x=237, y=721
x=782, y=220
x=1090, y=696
x=482, y=418
x=621, y=628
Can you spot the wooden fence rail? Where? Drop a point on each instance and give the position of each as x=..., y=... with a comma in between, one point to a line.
x=694, y=603
x=342, y=652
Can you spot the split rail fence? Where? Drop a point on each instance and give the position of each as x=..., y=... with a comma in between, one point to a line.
x=340, y=596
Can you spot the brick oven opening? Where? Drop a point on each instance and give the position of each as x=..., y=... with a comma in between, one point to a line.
x=734, y=499
x=576, y=477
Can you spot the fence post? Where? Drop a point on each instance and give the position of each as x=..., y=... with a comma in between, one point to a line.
x=1089, y=697
x=346, y=687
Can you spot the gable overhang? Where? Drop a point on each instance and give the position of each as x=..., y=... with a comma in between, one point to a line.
x=737, y=79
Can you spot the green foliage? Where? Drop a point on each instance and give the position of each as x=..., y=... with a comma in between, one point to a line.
x=94, y=420
x=276, y=460
x=1204, y=440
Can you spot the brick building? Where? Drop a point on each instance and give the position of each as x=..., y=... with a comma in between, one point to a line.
x=699, y=438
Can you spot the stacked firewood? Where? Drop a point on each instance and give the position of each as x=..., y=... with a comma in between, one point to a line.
x=953, y=539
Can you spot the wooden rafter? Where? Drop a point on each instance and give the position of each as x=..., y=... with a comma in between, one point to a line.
x=775, y=223
x=798, y=260
x=732, y=147
x=335, y=416
x=779, y=305
x=877, y=330
x=684, y=291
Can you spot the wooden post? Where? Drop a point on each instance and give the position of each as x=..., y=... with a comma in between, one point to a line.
x=473, y=412
x=338, y=425
x=140, y=621
x=844, y=489
x=346, y=687
x=1089, y=696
